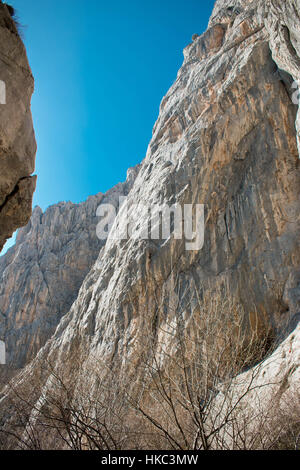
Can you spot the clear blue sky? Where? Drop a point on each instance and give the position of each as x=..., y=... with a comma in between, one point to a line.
x=101, y=69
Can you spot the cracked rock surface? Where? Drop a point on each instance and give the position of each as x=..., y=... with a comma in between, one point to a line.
x=41, y=275
x=226, y=137
x=17, y=140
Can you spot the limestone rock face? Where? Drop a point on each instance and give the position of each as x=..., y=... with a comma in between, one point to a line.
x=226, y=138
x=274, y=395
x=17, y=140
x=41, y=275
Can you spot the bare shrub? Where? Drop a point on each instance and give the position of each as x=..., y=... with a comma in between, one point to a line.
x=202, y=346
x=194, y=387
x=88, y=413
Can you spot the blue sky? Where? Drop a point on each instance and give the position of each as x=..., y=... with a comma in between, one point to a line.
x=101, y=70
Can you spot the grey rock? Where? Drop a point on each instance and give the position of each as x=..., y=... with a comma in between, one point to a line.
x=41, y=275
x=17, y=140
x=274, y=394
x=226, y=138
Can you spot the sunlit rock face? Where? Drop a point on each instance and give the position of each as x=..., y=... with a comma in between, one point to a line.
x=225, y=137
x=17, y=140
x=41, y=275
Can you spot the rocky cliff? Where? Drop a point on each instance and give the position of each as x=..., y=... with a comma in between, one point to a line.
x=41, y=275
x=226, y=137
x=274, y=396
x=17, y=141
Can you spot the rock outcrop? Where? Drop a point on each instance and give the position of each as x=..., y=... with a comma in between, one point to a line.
x=226, y=138
x=41, y=275
x=273, y=399
x=17, y=140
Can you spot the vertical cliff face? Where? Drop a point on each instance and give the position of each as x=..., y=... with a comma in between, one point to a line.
x=17, y=141
x=41, y=275
x=225, y=137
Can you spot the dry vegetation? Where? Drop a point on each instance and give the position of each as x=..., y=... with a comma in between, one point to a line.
x=192, y=391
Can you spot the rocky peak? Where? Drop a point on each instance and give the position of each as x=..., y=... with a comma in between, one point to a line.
x=226, y=11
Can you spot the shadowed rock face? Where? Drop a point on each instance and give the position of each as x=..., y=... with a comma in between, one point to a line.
x=225, y=137
x=17, y=141
x=41, y=275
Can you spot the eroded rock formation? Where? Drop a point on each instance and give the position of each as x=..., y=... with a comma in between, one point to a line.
x=17, y=141
x=225, y=137
x=41, y=275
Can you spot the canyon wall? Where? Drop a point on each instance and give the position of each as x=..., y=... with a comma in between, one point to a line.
x=226, y=137
x=40, y=276
x=17, y=140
